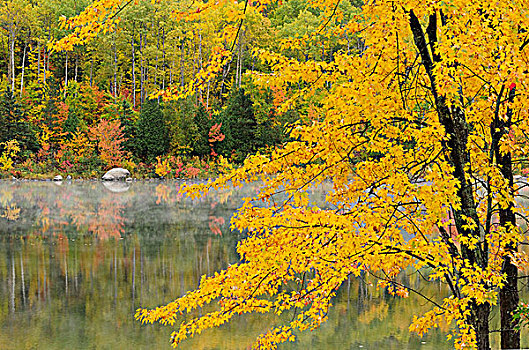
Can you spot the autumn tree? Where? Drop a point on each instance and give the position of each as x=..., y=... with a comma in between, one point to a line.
x=108, y=136
x=436, y=101
x=420, y=129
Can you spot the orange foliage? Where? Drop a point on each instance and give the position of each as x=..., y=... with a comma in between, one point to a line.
x=109, y=137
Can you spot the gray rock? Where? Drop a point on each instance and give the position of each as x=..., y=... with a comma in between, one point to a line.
x=57, y=178
x=116, y=174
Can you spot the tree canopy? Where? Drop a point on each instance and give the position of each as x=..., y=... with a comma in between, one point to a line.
x=422, y=129
x=415, y=112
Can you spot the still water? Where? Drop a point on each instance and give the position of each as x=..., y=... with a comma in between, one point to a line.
x=77, y=259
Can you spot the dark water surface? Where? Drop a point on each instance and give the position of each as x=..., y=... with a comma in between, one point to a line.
x=77, y=260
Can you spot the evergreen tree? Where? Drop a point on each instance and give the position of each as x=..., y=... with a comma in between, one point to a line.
x=270, y=125
x=13, y=125
x=72, y=123
x=152, y=136
x=202, y=125
x=239, y=126
x=127, y=125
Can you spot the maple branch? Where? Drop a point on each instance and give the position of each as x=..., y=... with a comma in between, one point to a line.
x=330, y=17
x=239, y=28
x=408, y=288
x=524, y=44
x=120, y=9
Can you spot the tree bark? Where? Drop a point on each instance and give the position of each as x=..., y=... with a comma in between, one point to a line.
x=115, y=68
x=172, y=66
x=91, y=69
x=66, y=74
x=11, y=65
x=133, y=69
x=182, y=64
x=509, y=297
x=163, y=58
x=76, y=66
x=44, y=65
x=38, y=60
x=141, y=69
x=24, y=63
x=200, y=62
x=456, y=126
x=156, y=61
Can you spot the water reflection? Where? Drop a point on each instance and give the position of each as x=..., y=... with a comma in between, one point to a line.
x=79, y=258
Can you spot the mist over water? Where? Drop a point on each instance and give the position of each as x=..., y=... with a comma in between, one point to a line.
x=78, y=258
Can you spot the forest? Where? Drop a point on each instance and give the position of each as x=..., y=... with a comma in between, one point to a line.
x=105, y=104
x=414, y=113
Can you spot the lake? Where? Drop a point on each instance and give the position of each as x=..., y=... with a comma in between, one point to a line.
x=78, y=258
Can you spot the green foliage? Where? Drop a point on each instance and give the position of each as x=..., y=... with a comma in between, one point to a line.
x=13, y=126
x=128, y=120
x=182, y=130
x=72, y=123
x=270, y=123
x=202, y=122
x=152, y=136
x=239, y=126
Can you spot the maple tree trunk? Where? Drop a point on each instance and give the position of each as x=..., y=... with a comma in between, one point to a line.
x=509, y=297
x=456, y=126
x=195, y=63
x=480, y=322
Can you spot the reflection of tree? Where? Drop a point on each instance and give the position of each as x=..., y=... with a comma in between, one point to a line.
x=163, y=193
x=215, y=222
x=11, y=212
x=8, y=209
x=74, y=287
x=107, y=220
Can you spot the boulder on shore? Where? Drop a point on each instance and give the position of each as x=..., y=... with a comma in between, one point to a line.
x=116, y=174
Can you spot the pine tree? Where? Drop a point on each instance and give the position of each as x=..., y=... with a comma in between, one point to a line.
x=72, y=123
x=239, y=126
x=152, y=136
x=127, y=125
x=202, y=123
x=13, y=124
